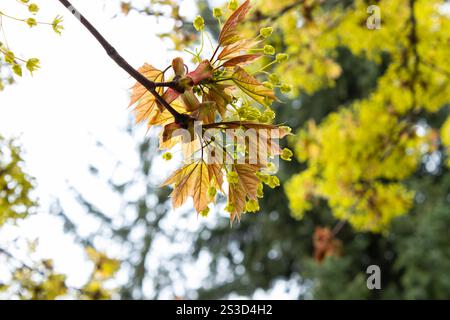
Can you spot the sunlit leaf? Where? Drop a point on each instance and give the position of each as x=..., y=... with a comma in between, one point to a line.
x=252, y=87
x=229, y=33
x=146, y=108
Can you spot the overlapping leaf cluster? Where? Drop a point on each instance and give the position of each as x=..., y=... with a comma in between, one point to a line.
x=224, y=93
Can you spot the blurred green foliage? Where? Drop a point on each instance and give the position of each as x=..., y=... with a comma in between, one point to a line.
x=15, y=185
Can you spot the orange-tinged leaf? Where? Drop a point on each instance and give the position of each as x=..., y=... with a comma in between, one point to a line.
x=193, y=180
x=241, y=60
x=146, y=107
x=252, y=87
x=183, y=180
x=229, y=33
x=236, y=49
x=262, y=145
x=201, y=186
x=190, y=148
x=174, y=134
x=168, y=144
x=216, y=175
x=246, y=188
x=325, y=244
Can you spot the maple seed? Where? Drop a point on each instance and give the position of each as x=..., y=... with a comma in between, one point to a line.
x=268, y=49
x=252, y=206
x=282, y=57
x=287, y=154
x=233, y=177
x=273, y=182
x=199, y=23
x=266, y=32
x=286, y=88
x=233, y=5
x=274, y=79
x=212, y=192
x=205, y=213
x=217, y=13
x=167, y=156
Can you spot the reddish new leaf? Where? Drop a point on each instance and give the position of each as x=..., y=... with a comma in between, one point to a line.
x=229, y=33
x=241, y=60
x=236, y=49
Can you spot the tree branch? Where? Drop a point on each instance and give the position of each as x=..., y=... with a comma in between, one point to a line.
x=115, y=56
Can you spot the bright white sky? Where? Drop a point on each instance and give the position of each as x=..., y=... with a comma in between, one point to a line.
x=79, y=96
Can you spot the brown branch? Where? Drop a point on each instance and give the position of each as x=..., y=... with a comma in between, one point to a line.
x=116, y=57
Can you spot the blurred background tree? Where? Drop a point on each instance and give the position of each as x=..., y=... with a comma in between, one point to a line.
x=370, y=184
x=25, y=276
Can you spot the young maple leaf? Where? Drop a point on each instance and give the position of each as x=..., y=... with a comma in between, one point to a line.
x=245, y=188
x=252, y=87
x=194, y=180
x=218, y=94
x=146, y=107
x=236, y=49
x=229, y=33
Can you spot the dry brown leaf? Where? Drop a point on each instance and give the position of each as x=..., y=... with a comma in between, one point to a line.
x=201, y=186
